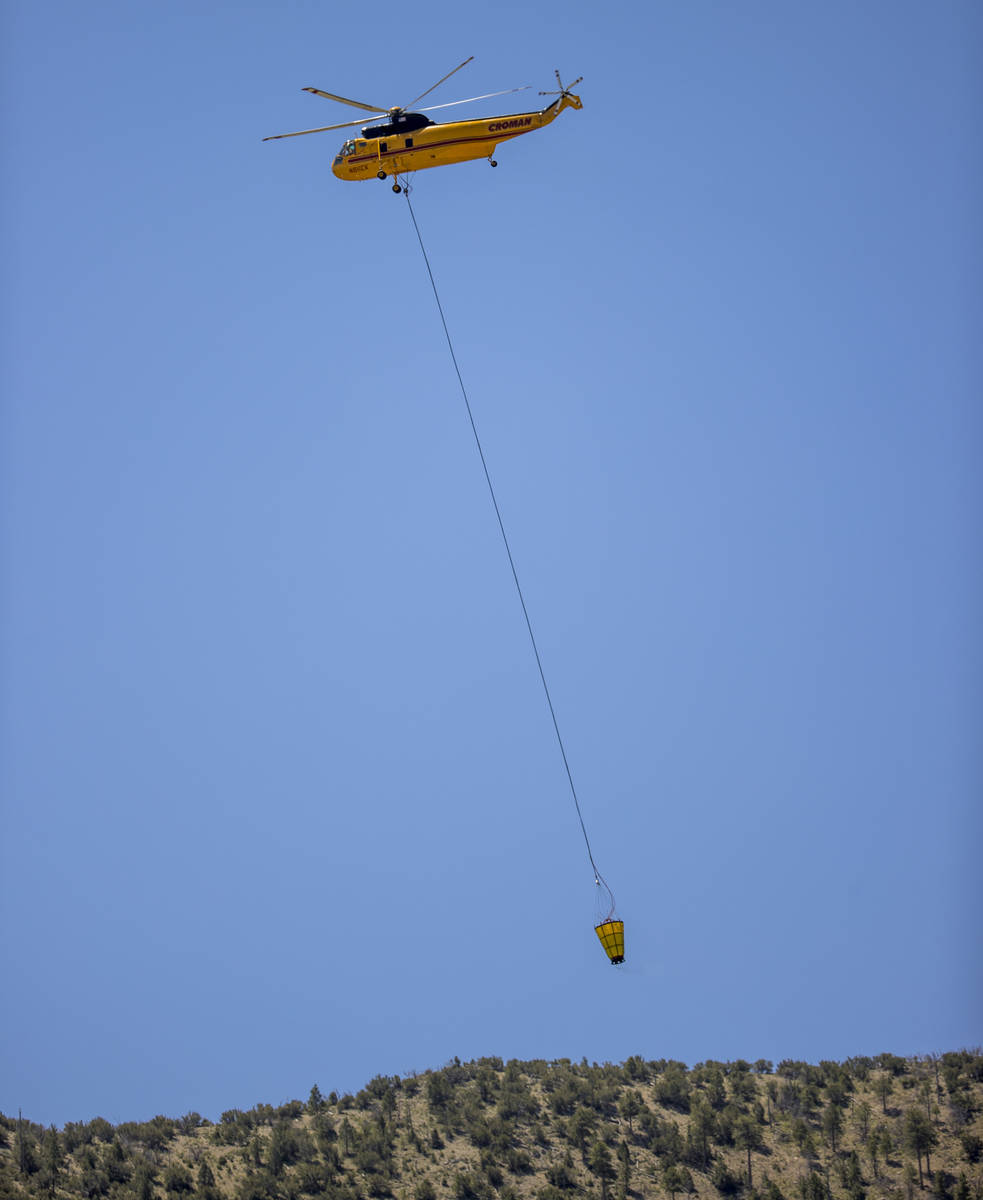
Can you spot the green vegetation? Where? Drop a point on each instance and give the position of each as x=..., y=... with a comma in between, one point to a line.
x=883, y=1128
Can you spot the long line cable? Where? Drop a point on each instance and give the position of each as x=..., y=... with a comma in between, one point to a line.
x=598, y=878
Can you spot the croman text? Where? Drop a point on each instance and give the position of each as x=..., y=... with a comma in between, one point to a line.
x=515, y=123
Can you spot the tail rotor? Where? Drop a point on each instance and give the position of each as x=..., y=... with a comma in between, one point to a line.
x=564, y=91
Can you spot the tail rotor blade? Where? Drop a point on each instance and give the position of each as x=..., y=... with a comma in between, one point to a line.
x=563, y=90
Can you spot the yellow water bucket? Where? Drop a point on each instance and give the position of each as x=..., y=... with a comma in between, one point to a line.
x=612, y=935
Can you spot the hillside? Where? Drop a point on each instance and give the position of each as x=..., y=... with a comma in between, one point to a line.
x=884, y=1127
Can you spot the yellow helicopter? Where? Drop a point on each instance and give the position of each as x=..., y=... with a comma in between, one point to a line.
x=410, y=141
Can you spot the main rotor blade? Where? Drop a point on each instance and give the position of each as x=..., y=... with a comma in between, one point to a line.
x=342, y=100
x=321, y=129
x=438, y=83
x=487, y=96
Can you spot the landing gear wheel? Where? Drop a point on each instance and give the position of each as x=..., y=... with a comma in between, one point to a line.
x=493, y=162
x=396, y=188
x=381, y=175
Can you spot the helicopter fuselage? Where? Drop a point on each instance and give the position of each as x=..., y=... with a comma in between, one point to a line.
x=412, y=142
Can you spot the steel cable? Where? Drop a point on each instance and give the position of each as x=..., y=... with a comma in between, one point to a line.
x=598, y=878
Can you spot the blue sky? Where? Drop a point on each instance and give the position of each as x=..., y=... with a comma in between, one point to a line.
x=281, y=800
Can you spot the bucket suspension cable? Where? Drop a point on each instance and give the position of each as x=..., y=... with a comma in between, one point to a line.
x=598, y=878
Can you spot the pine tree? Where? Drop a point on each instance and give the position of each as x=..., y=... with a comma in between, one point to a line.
x=624, y=1158
x=52, y=1158
x=206, y=1182
x=600, y=1165
x=701, y=1123
x=676, y=1179
x=143, y=1187
x=832, y=1124
x=919, y=1138
x=747, y=1135
x=873, y=1149
x=883, y=1086
x=630, y=1106
x=863, y=1111
x=580, y=1127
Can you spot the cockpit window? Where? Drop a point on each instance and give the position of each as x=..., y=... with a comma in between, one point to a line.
x=347, y=149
